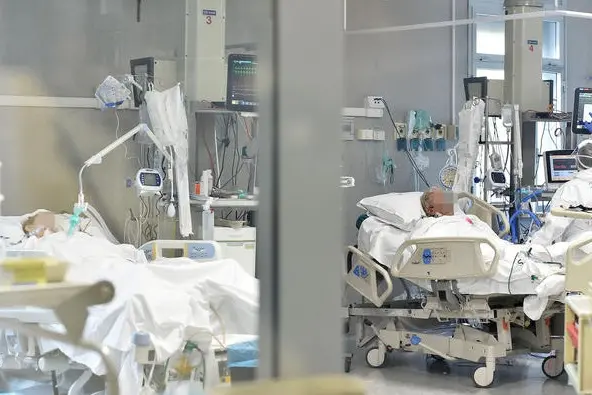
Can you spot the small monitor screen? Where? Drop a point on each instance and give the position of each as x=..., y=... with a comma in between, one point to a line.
x=561, y=167
x=582, y=110
x=475, y=87
x=498, y=177
x=241, y=91
x=150, y=179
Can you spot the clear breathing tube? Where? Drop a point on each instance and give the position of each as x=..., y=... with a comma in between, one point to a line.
x=97, y=217
x=80, y=188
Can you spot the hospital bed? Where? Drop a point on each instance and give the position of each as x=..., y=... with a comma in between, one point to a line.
x=484, y=327
x=24, y=352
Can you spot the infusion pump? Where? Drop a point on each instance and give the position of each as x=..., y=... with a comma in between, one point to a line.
x=148, y=182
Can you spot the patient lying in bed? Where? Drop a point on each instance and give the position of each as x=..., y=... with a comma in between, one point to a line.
x=43, y=222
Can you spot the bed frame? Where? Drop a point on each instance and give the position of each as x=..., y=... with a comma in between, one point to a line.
x=501, y=328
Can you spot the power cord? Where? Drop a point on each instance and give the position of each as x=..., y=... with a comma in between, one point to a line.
x=409, y=156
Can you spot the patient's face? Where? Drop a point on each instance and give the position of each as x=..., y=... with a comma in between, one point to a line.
x=441, y=203
x=41, y=224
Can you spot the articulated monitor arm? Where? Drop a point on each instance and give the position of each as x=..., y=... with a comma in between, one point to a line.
x=80, y=206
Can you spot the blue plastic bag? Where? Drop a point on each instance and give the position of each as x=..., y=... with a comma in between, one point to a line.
x=242, y=353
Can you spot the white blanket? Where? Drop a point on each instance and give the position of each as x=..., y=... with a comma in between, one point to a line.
x=380, y=240
x=173, y=300
x=530, y=274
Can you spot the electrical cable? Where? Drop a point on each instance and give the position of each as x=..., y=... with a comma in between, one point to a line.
x=247, y=131
x=512, y=271
x=554, y=140
x=238, y=154
x=226, y=142
x=211, y=157
x=117, y=130
x=409, y=156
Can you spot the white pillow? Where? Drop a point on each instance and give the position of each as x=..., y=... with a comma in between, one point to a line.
x=401, y=210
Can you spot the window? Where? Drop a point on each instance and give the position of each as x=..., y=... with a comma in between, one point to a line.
x=489, y=44
x=490, y=39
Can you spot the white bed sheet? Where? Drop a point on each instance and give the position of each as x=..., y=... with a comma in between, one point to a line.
x=530, y=275
x=172, y=299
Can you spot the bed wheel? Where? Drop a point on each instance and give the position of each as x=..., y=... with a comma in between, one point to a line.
x=552, y=367
x=348, y=362
x=483, y=377
x=375, y=358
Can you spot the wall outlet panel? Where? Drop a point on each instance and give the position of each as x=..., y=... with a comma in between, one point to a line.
x=451, y=132
x=374, y=102
x=379, y=135
x=400, y=130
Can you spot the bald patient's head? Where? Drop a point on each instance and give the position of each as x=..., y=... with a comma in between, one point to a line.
x=436, y=202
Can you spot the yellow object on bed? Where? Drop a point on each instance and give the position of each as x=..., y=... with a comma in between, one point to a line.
x=32, y=270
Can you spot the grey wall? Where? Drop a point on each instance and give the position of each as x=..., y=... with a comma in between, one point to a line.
x=66, y=48
x=412, y=70
x=578, y=56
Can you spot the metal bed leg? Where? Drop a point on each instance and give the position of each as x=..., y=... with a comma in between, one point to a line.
x=54, y=383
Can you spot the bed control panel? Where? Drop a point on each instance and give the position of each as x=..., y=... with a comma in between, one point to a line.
x=435, y=256
x=196, y=250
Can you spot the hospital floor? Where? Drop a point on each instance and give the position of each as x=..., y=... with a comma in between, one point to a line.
x=410, y=373
x=405, y=373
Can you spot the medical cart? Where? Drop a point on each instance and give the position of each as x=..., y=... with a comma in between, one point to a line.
x=578, y=312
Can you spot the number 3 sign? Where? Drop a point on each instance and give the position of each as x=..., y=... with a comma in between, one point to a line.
x=209, y=14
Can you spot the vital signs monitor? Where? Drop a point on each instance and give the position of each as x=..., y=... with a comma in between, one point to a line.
x=560, y=167
x=241, y=93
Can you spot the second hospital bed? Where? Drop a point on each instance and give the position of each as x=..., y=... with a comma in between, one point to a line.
x=485, y=327
x=20, y=352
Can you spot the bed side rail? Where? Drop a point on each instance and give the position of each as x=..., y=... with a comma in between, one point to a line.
x=485, y=212
x=196, y=250
x=363, y=277
x=578, y=274
x=444, y=258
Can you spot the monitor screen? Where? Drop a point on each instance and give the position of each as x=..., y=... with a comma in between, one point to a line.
x=475, y=87
x=561, y=166
x=241, y=84
x=582, y=110
x=151, y=179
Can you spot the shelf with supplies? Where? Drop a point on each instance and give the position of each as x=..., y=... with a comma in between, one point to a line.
x=225, y=202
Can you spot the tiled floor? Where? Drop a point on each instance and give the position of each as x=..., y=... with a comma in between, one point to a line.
x=408, y=373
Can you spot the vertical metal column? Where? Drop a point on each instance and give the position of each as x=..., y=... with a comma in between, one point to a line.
x=299, y=250
x=523, y=57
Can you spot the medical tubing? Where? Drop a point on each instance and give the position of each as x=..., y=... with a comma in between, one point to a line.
x=515, y=217
x=409, y=156
x=97, y=216
x=172, y=175
x=533, y=195
x=80, y=192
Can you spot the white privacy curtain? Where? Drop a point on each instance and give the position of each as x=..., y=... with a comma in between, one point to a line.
x=169, y=123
